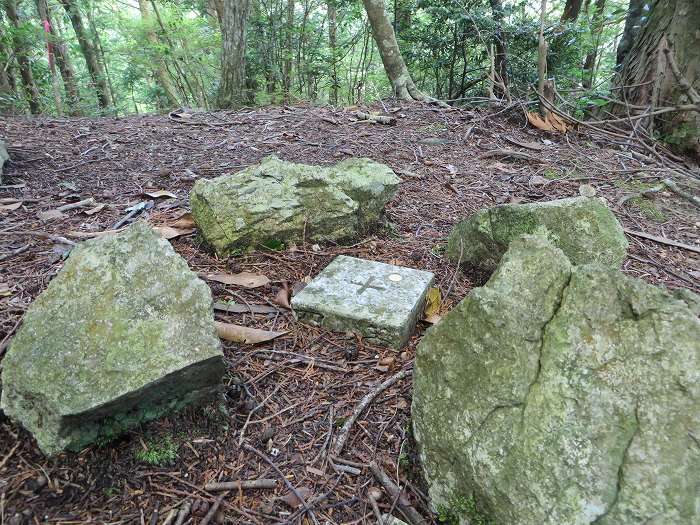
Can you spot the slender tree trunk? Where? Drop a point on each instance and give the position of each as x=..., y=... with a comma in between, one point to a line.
x=571, y=11
x=22, y=57
x=234, y=22
x=287, y=62
x=168, y=97
x=42, y=10
x=218, y=7
x=60, y=51
x=7, y=82
x=632, y=24
x=394, y=65
x=500, y=58
x=662, y=69
x=101, y=55
x=589, y=64
x=89, y=53
x=333, y=44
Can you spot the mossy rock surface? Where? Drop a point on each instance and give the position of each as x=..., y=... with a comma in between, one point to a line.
x=4, y=157
x=123, y=334
x=562, y=394
x=278, y=202
x=583, y=228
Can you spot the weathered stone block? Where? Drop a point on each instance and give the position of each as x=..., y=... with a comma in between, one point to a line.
x=561, y=394
x=278, y=202
x=380, y=301
x=123, y=334
x=583, y=228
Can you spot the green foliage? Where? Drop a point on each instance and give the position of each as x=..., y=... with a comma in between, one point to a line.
x=158, y=452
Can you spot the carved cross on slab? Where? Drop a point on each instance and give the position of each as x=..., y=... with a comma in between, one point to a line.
x=367, y=284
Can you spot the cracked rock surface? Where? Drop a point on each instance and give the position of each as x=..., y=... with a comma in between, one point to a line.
x=123, y=334
x=279, y=202
x=583, y=228
x=562, y=394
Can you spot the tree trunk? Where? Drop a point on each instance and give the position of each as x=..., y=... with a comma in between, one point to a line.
x=60, y=52
x=395, y=67
x=500, y=59
x=7, y=82
x=571, y=11
x=288, y=52
x=89, y=53
x=22, y=57
x=647, y=77
x=234, y=22
x=333, y=44
x=102, y=59
x=167, y=97
x=589, y=63
x=632, y=22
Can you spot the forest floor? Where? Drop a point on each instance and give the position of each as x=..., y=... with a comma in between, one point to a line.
x=288, y=404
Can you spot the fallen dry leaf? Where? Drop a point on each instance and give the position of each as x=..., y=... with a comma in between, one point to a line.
x=160, y=193
x=183, y=221
x=386, y=361
x=168, y=232
x=433, y=302
x=552, y=122
x=283, y=295
x=10, y=207
x=243, y=334
x=4, y=289
x=50, y=215
x=244, y=279
x=93, y=211
x=293, y=500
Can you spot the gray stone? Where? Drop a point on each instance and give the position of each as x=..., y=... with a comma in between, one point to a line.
x=123, y=334
x=583, y=228
x=4, y=157
x=278, y=202
x=380, y=301
x=564, y=395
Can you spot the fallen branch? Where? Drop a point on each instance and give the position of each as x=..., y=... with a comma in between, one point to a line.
x=396, y=494
x=19, y=250
x=213, y=509
x=184, y=512
x=85, y=203
x=342, y=436
x=245, y=308
x=509, y=153
x=663, y=240
x=379, y=119
x=54, y=238
x=242, y=485
x=671, y=185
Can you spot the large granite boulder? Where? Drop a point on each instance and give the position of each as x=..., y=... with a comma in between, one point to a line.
x=4, y=157
x=123, y=334
x=583, y=228
x=564, y=395
x=277, y=202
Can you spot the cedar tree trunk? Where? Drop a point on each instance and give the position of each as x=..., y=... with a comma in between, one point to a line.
x=233, y=29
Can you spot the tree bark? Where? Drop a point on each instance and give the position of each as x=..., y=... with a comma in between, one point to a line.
x=7, y=82
x=500, y=59
x=234, y=22
x=333, y=44
x=60, y=51
x=288, y=52
x=22, y=57
x=632, y=22
x=647, y=77
x=394, y=65
x=167, y=98
x=571, y=11
x=589, y=63
x=89, y=53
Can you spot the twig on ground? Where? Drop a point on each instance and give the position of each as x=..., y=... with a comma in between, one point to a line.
x=509, y=153
x=184, y=512
x=263, y=483
x=19, y=250
x=364, y=403
x=80, y=204
x=213, y=509
x=671, y=185
x=411, y=514
x=663, y=240
x=379, y=119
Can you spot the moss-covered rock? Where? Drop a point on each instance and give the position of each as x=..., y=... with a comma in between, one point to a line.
x=583, y=228
x=558, y=394
x=278, y=202
x=123, y=334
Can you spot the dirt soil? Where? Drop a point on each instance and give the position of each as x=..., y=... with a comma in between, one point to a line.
x=286, y=399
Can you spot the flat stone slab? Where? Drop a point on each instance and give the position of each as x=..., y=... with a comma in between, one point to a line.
x=380, y=301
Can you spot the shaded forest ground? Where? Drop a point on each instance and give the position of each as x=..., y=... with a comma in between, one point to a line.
x=292, y=404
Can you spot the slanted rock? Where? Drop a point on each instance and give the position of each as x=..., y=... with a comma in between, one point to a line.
x=558, y=394
x=279, y=202
x=123, y=334
x=583, y=228
x=4, y=157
